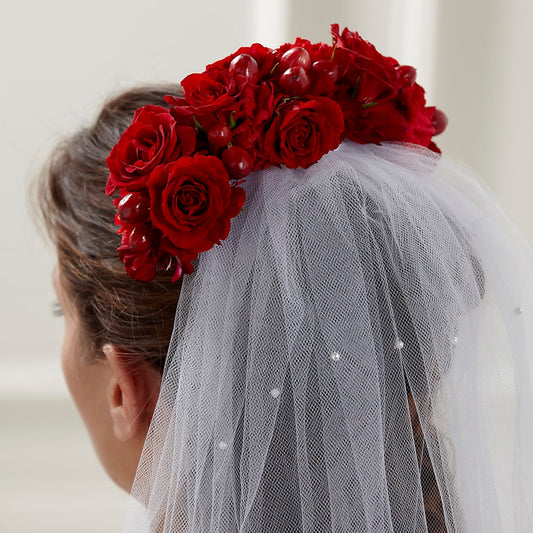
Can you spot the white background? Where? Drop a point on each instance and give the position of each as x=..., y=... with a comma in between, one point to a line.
x=60, y=59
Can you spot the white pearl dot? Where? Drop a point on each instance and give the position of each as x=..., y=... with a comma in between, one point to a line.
x=275, y=393
x=223, y=445
x=399, y=344
x=335, y=356
x=519, y=310
x=455, y=341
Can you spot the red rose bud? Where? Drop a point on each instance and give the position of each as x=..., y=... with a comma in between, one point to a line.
x=177, y=273
x=326, y=67
x=238, y=161
x=140, y=238
x=295, y=57
x=439, y=121
x=134, y=208
x=219, y=136
x=294, y=81
x=245, y=65
x=408, y=74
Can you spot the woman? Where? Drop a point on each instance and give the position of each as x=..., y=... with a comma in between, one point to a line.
x=332, y=363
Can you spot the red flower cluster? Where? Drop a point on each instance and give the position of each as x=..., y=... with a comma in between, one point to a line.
x=178, y=170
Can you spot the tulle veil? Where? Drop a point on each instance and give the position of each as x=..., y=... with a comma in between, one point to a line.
x=356, y=357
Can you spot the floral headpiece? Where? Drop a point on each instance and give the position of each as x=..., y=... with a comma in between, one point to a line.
x=178, y=170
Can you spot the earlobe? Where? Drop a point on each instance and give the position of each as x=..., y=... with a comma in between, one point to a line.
x=131, y=396
x=124, y=425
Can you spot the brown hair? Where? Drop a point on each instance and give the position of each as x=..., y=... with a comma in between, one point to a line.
x=135, y=316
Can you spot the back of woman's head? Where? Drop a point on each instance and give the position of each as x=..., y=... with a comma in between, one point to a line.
x=78, y=216
x=359, y=266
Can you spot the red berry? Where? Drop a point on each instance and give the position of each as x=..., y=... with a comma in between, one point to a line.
x=408, y=73
x=134, y=208
x=294, y=81
x=327, y=67
x=140, y=238
x=238, y=161
x=219, y=136
x=295, y=57
x=246, y=66
x=439, y=121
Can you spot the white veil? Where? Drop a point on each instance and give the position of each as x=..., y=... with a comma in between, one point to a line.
x=378, y=274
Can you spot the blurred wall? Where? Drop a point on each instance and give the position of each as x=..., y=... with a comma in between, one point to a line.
x=60, y=60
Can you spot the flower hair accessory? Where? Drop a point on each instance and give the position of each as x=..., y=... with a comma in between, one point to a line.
x=178, y=170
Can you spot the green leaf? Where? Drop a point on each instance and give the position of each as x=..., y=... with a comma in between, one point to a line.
x=199, y=127
x=232, y=122
x=288, y=99
x=274, y=68
x=369, y=105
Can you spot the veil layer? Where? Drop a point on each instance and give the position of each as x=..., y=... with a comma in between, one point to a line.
x=355, y=357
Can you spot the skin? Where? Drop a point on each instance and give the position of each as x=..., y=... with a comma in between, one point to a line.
x=115, y=399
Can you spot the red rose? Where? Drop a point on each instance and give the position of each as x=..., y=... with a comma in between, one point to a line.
x=303, y=131
x=192, y=203
x=419, y=118
x=215, y=87
x=138, y=266
x=373, y=123
x=144, y=265
x=366, y=75
x=363, y=50
x=152, y=138
x=256, y=110
x=401, y=118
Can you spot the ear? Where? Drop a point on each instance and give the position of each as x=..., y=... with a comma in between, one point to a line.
x=132, y=395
